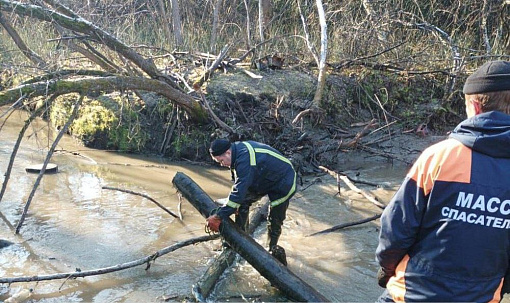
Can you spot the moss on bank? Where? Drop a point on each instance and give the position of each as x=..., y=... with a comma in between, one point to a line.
x=104, y=122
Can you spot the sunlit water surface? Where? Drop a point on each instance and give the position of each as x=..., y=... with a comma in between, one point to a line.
x=74, y=224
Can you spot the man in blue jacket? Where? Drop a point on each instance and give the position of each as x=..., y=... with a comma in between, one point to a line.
x=257, y=170
x=445, y=235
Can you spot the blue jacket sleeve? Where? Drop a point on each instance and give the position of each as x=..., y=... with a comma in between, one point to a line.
x=400, y=224
x=244, y=178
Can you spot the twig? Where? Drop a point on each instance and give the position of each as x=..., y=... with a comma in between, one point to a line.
x=13, y=106
x=367, y=195
x=47, y=160
x=358, y=180
x=169, y=132
x=301, y=114
x=207, y=74
x=344, y=225
x=215, y=118
x=17, y=144
x=317, y=180
x=104, y=270
x=145, y=196
x=353, y=187
x=179, y=208
x=384, y=154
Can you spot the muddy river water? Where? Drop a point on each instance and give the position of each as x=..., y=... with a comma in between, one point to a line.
x=75, y=224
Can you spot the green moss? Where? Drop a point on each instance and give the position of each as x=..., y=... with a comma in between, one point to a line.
x=101, y=123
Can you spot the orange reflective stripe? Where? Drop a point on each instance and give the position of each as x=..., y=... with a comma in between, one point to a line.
x=397, y=284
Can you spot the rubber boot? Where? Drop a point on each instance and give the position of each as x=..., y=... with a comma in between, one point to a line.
x=279, y=253
x=242, y=217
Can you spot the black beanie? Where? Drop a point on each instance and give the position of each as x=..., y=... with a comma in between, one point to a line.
x=493, y=76
x=219, y=147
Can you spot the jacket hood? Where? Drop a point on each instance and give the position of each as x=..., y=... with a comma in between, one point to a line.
x=486, y=133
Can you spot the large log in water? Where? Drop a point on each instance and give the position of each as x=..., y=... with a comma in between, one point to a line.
x=204, y=286
x=270, y=268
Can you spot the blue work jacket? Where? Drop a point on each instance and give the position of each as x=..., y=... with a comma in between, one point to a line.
x=262, y=169
x=446, y=232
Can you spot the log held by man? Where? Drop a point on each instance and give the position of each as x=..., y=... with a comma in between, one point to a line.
x=279, y=275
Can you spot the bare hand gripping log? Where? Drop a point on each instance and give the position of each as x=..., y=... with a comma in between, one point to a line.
x=270, y=268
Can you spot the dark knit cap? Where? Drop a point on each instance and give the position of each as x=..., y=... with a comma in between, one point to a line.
x=219, y=147
x=493, y=76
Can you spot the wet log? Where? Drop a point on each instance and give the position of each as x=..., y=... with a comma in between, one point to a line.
x=270, y=268
x=204, y=286
x=106, y=85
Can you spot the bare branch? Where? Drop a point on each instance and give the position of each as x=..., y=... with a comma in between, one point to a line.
x=81, y=25
x=207, y=74
x=47, y=160
x=18, y=142
x=105, y=270
x=30, y=54
x=145, y=196
x=344, y=225
x=106, y=85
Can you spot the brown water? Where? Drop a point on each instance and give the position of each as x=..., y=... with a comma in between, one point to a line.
x=74, y=223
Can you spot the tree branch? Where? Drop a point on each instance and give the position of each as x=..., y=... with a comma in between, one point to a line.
x=47, y=160
x=145, y=196
x=105, y=270
x=106, y=85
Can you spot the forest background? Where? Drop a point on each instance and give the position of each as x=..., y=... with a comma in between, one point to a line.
x=312, y=78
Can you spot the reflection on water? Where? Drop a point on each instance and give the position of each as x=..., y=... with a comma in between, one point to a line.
x=74, y=224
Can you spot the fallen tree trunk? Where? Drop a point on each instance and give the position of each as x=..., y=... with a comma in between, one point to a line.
x=106, y=85
x=204, y=286
x=270, y=268
x=80, y=25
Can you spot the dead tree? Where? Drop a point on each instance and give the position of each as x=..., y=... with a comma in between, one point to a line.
x=321, y=81
x=65, y=18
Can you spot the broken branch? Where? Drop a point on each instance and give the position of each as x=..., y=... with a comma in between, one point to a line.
x=105, y=270
x=145, y=196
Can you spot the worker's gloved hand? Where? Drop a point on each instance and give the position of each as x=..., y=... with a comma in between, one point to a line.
x=383, y=276
x=213, y=223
